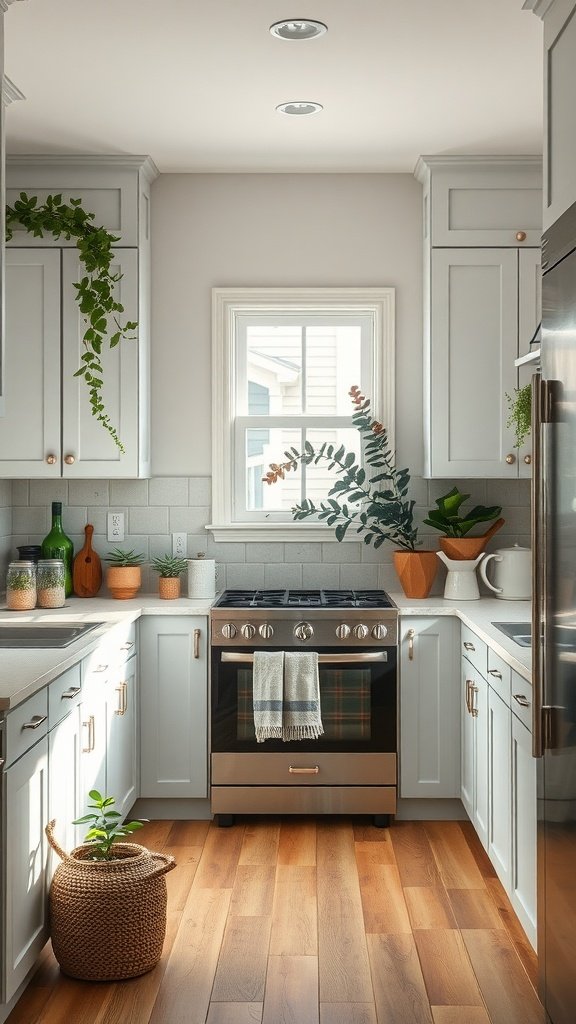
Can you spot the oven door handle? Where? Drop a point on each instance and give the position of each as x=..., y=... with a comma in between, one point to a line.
x=323, y=659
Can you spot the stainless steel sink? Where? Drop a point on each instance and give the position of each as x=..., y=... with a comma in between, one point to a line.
x=56, y=634
x=519, y=632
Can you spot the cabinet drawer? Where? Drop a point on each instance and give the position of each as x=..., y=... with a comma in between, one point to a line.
x=25, y=725
x=474, y=649
x=499, y=676
x=521, y=700
x=64, y=694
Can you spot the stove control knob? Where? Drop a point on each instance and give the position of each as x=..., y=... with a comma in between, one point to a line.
x=360, y=631
x=342, y=631
x=379, y=631
x=248, y=631
x=266, y=630
x=228, y=631
x=303, y=631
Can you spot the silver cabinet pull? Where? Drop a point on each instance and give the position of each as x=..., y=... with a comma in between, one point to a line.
x=196, y=643
x=35, y=722
x=494, y=672
x=521, y=699
x=121, y=690
x=304, y=771
x=468, y=705
x=91, y=738
x=71, y=693
x=468, y=646
x=127, y=646
x=100, y=668
x=410, y=635
x=473, y=709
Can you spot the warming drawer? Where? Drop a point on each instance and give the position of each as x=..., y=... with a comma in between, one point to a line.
x=308, y=769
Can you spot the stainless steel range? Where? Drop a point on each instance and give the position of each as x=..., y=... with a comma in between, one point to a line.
x=352, y=767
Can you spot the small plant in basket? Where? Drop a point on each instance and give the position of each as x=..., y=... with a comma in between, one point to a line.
x=169, y=568
x=105, y=826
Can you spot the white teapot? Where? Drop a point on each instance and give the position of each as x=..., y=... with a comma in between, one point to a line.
x=512, y=573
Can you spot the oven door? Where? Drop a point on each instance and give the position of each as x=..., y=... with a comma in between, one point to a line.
x=358, y=703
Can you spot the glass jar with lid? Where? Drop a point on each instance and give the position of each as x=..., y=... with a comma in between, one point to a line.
x=51, y=582
x=21, y=586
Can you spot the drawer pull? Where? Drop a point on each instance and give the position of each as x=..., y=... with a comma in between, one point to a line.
x=494, y=672
x=100, y=668
x=71, y=693
x=468, y=646
x=127, y=646
x=294, y=770
x=521, y=700
x=410, y=634
x=35, y=722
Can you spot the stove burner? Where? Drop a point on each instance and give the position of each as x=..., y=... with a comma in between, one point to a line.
x=304, y=599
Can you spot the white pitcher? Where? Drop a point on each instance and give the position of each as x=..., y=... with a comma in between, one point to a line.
x=512, y=573
x=461, y=583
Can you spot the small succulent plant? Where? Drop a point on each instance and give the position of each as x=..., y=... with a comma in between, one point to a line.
x=119, y=558
x=169, y=567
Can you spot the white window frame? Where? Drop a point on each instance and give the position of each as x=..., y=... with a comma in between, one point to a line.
x=229, y=304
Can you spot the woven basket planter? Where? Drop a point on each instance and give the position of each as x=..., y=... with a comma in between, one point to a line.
x=169, y=587
x=108, y=918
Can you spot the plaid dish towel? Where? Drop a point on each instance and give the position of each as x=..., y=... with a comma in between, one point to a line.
x=301, y=719
x=267, y=686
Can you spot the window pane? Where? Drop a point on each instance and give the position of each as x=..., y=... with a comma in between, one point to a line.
x=274, y=365
x=319, y=479
x=262, y=448
x=332, y=367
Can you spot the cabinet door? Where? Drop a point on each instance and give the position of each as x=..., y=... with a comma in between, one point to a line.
x=84, y=439
x=65, y=799
x=173, y=706
x=467, y=741
x=26, y=784
x=473, y=344
x=121, y=759
x=481, y=787
x=429, y=716
x=523, y=873
x=30, y=428
x=529, y=316
x=93, y=730
x=559, y=89
x=499, y=840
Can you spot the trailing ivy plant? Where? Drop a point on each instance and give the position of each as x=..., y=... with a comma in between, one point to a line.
x=380, y=508
x=95, y=291
x=520, y=413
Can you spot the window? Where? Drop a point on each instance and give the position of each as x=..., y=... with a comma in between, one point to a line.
x=283, y=363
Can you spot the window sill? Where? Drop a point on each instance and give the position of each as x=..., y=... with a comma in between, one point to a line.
x=298, y=533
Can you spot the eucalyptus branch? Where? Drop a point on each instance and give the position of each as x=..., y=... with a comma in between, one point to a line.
x=95, y=291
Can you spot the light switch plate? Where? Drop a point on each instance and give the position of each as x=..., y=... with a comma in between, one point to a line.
x=115, y=527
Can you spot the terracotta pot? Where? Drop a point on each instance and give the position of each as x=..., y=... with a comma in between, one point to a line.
x=124, y=581
x=468, y=547
x=416, y=571
x=169, y=587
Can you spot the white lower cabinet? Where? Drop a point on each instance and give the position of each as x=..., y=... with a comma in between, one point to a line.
x=173, y=706
x=499, y=821
x=522, y=889
x=121, y=751
x=474, y=759
x=429, y=718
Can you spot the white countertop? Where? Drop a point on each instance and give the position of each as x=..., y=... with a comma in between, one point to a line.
x=24, y=671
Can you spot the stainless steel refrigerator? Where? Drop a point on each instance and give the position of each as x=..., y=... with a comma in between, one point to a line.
x=554, y=621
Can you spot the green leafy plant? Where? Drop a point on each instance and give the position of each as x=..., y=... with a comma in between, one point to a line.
x=520, y=413
x=446, y=517
x=95, y=291
x=168, y=566
x=373, y=502
x=120, y=558
x=105, y=826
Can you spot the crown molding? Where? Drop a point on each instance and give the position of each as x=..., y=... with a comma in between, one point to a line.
x=129, y=162
x=10, y=91
x=5, y=4
x=425, y=164
x=538, y=7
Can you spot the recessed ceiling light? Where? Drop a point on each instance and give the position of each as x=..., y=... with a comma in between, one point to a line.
x=299, y=107
x=298, y=28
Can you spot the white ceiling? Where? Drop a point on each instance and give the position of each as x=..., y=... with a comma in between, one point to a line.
x=194, y=84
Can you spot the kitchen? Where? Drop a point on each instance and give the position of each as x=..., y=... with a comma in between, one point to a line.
x=217, y=229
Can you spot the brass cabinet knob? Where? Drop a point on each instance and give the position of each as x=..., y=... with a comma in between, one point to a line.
x=51, y=460
x=528, y=460
x=510, y=459
x=520, y=236
x=69, y=460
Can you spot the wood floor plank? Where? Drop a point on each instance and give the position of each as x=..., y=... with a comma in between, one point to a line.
x=366, y=831
x=474, y=908
x=241, y=971
x=448, y=974
x=347, y=1013
x=297, y=843
x=485, y=866
x=219, y=860
x=295, y=912
x=456, y=864
x=291, y=991
x=253, y=890
x=429, y=907
x=399, y=989
x=383, y=903
x=153, y=835
x=515, y=931
x=502, y=979
x=187, y=833
x=75, y=1002
x=460, y=1015
x=414, y=855
x=234, y=1013
x=343, y=965
x=260, y=845
x=179, y=880
x=375, y=852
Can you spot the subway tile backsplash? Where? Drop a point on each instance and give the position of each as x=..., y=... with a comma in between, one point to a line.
x=154, y=509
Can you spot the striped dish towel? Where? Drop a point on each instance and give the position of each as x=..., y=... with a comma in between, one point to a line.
x=267, y=687
x=301, y=719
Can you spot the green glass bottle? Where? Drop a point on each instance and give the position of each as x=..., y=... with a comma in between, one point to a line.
x=57, y=545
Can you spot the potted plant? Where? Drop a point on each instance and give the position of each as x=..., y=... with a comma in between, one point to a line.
x=124, y=577
x=520, y=413
x=446, y=517
x=170, y=569
x=372, y=502
x=107, y=899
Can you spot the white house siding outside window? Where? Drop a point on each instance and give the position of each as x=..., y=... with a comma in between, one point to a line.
x=284, y=361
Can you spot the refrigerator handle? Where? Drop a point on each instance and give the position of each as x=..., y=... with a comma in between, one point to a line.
x=538, y=569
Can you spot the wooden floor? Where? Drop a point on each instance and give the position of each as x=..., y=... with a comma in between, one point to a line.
x=316, y=921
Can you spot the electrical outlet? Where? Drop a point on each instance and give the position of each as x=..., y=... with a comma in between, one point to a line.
x=179, y=545
x=115, y=527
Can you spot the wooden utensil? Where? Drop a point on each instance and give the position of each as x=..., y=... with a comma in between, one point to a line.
x=87, y=569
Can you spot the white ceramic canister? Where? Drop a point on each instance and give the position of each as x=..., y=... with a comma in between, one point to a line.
x=201, y=578
x=512, y=573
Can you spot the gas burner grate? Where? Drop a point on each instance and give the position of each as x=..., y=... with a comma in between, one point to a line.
x=305, y=599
